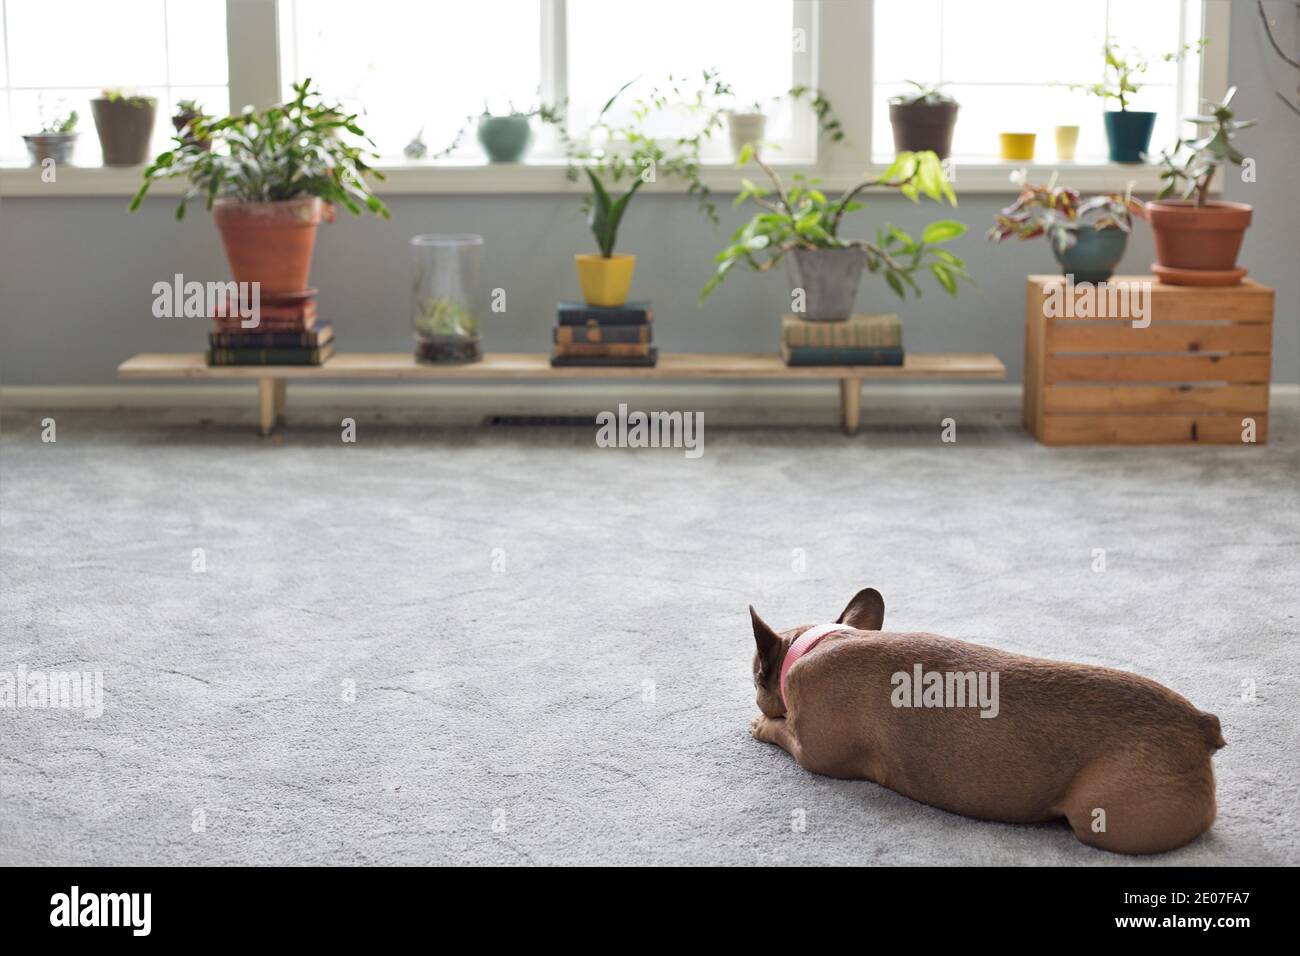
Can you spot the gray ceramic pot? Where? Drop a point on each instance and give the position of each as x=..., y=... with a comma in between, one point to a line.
x=55, y=146
x=829, y=278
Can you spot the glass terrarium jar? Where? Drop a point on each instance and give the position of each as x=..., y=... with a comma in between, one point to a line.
x=445, y=297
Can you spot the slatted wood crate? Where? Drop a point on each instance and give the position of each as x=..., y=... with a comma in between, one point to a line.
x=1197, y=373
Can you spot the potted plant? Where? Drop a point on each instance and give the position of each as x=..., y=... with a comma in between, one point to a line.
x=187, y=111
x=626, y=153
x=748, y=125
x=55, y=141
x=124, y=122
x=1197, y=239
x=1128, y=132
x=269, y=178
x=803, y=222
x=1087, y=236
x=505, y=137
x=923, y=120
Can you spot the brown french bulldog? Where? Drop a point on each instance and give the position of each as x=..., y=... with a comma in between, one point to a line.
x=989, y=734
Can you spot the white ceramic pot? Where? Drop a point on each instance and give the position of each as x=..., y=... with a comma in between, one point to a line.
x=746, y=128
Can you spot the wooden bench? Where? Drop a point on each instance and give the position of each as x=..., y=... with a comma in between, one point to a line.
x=272, y=379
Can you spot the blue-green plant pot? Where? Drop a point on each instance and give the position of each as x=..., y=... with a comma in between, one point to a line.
x=1096, y=254
x=1129, y=134
x=505, y=139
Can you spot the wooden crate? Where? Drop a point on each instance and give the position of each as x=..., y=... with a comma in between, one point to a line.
x=1193, y=375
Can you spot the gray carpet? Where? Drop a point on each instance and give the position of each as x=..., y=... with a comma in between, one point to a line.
x=588, y=698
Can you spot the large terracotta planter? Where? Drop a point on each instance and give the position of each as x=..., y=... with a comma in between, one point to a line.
x=1193, y=239
x=270, y=242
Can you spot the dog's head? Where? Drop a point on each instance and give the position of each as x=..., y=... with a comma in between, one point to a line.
x=866, y=612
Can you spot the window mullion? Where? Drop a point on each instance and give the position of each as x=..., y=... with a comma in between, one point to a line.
x=253, y=53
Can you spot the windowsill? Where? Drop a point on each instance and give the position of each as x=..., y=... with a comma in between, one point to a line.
x=420, y=178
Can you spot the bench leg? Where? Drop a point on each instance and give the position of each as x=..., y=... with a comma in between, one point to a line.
x=265, y=405
x=281, y=397
x=850, y=404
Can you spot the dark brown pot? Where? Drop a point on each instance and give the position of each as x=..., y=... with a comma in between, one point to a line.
x=270, y=242
x=124, y=130
x=1191, y=237
x=921, y=126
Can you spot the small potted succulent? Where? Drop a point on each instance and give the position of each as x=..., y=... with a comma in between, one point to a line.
x=1087, y=236
x=923, y=120
x=124, y=122
x=55, y=141
x=802, y=222
x=1197, y=239
x=187, y=112
x=269, y=178
x=1128, y=132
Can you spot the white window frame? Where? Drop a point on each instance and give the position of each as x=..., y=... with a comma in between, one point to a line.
x=838, y=61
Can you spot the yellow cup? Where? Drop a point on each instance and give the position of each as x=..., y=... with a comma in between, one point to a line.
x=1067, y=141
x=605, y=282
x=1017, y=146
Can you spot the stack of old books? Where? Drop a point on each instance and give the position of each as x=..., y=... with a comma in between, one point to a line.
x=601, y=336
x=858, y=340
x=286, y=332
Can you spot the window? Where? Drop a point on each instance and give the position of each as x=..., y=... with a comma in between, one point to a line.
x=1010, y=64
x=425, y=68
x=449, y=61
x=57, y=55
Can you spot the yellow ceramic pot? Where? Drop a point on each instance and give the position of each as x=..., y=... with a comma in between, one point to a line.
x=605, y=281
x=1017, y=146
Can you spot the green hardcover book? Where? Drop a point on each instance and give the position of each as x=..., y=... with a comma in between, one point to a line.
x=857, y=331
x=317, y=356
x=821, y=356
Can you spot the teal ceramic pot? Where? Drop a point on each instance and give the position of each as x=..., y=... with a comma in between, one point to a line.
x=1129, y=134
x=505, y=139
x=1094, y=257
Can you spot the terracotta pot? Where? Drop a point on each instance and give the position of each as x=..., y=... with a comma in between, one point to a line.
x=1191, y=237
x=271, y=242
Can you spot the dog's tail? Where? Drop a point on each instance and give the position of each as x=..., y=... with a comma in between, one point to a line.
x=1213, y=733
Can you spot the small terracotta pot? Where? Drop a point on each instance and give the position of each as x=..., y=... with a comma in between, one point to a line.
x=271, y=242
x=1188, y=236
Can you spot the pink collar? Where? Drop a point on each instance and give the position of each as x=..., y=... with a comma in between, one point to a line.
x=804, y=643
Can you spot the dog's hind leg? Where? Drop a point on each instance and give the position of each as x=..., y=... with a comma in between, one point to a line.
x=775, y=730
x=1127, y=805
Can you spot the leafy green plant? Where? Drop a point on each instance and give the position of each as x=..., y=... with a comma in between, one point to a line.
x=1058, y=212
x=60, y=123
x=1124, y=69
x=925, y=95
x=803, y=217
x=606, y=212
x=627, y=153
x=291, y=150
x=1190, y=168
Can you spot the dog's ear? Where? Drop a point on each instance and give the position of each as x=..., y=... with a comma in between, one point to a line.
x=866, y=611
x=767, y=640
